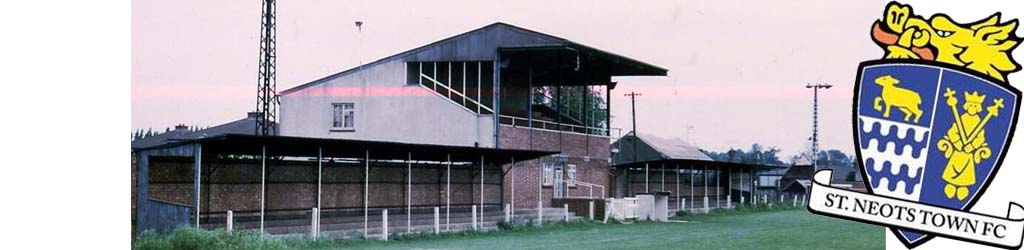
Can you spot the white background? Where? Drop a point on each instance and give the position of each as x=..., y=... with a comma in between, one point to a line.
x=1009, y=182
x=64, y=124
x=65, y=116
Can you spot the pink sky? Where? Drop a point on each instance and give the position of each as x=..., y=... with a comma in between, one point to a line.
x=737, y=69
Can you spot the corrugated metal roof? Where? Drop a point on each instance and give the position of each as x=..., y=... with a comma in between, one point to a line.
x=674, y=148
x=245, y=125
x=660, y=152
x=654, y=148
x=482, y=45
x=248, y=144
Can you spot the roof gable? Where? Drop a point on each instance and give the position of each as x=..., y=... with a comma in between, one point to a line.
x=652, y=148
x=482, y=45
x=475, y=45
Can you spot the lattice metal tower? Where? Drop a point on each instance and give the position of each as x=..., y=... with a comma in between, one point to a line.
x=814, y=135
x=266, y=99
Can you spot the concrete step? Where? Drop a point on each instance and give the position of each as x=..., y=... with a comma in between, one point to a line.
x=325, y=219
x=352, y=226
x=375, y=224
x=355, y=223
x=550, y=215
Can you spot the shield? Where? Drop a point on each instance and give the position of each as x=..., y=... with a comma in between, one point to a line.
x=930, y=133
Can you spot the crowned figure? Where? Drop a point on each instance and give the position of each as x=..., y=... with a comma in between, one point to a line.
x=963, y=145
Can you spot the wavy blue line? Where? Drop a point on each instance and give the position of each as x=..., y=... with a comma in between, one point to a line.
x=883, y=140
x=876, y=176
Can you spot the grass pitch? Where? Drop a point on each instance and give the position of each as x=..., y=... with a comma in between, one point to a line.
x=780, y=229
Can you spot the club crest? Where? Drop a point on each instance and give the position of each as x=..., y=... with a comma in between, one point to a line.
x=931, y=134
x=932, y=119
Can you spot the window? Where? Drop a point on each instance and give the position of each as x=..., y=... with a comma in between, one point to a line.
x=768, y=181
x=571, y=175
x=548, y=174
x=344, y=116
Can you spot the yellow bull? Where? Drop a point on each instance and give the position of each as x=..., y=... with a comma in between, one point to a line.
x=907, y=101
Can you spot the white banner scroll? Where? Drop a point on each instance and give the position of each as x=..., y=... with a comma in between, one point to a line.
x=940, y=221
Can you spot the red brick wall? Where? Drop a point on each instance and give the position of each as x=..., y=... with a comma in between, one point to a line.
x=576, y=147
x=235, y=184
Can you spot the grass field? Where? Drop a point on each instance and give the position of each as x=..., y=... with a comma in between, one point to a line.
x=782, y=229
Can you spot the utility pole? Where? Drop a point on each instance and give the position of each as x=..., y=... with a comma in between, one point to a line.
x=632, y=99
x=814, y=134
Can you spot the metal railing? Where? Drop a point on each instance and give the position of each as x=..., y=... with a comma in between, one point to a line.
x=450, y=91
x=553, y=126
x=589, y=186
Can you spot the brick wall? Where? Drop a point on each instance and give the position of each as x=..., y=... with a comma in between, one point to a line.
x=291, y=185
x=134, y=203
x=576, y=147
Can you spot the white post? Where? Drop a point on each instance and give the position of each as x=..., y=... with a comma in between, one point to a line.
x=384, y=221
x=590, y=213
x=437, y=220
x=728, y=201
x=565, y=207
x=794, y=200
x=448, y=196
x=319, y=189
x=366, y=199
x=474, y=217
x=507, y=212
x=678, y=191
x=718, y=188
x=743, y=199
x=691, y=182
x=753, y=196
x=647, y=178
x=231, y=221
x=540, y=196
x=741, y=187
x=263, y=187
x=319, y=174
x=706, y=208
x=683, y=204
x=705, y=174
x=408, y=197
x=512, y=211
x=540, y=213
x=313, y=224
x=481, y=189
x=782, y=199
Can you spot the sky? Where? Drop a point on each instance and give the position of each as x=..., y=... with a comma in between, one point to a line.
x=737, y=69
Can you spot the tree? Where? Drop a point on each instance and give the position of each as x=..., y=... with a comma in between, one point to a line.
x=834, y=157
x=757, y=154
x=574, y=100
